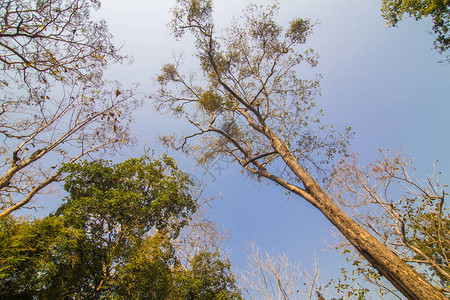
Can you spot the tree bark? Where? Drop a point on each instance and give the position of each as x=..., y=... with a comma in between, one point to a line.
x=410, y=283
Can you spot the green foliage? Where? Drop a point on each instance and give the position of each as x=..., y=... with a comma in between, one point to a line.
x=353, y=284
x=430, y=230
x=34, y=254
x=299, y=30
x=192, y=10
x=210, y=101
x=112, y=238
x=209, y=278
x=169, y=73
x=438, y=10
x=135, y=195
x=149, y=271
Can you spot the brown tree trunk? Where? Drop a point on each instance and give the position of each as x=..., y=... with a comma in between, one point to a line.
x=410, y=283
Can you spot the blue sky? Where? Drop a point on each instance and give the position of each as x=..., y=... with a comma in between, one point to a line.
x=384, y=82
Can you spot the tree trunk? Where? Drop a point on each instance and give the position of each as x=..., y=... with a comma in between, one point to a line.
x=410, y=283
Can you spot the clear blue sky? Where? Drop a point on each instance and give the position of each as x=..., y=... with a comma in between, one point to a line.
x=384, y=82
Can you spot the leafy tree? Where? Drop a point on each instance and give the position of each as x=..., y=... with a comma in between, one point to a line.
x=209, y=277
x=55, y=105
x=439, y=10
x=250, y=105
x=113, y=237
x=408, y=215
x=149, y=273
x=133, y=196
x=115, y=205
x=29, y=252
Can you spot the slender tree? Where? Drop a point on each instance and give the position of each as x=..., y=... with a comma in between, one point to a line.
x=275, y=276
x=248, y=103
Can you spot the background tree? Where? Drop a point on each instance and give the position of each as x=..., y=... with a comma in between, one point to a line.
x=209, y=277
x=26, y=248
x=54, y=106
x=112, y=238
x=439, y=10
x=408, y=215
x=276, y=276
x=200, y=235
x=54, y=39
x=250, y=104
x=269, y=276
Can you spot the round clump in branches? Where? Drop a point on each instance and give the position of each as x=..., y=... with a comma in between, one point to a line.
x=210, y=102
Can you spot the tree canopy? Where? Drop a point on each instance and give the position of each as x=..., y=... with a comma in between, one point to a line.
x=113, y=237
x=439, y=10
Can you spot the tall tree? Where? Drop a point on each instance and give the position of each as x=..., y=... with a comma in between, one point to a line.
x=439, y=10
x=250, y=104
x=55, y=106
x=112, y=238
